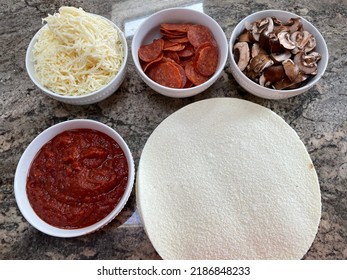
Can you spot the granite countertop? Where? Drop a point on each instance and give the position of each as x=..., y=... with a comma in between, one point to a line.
x=319, y=117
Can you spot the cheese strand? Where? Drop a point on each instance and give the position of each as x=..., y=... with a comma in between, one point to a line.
x=77, y=52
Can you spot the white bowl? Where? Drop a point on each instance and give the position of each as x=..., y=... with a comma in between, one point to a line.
x=25, y=163
x=149, y=30
x=86, y=99
x=269, y=93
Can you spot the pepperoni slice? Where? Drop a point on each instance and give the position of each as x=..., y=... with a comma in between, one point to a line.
x=198, y=35
x=145, y=65
x=172, y=34
x=168, y=74
x=183, y=74
x=206, y=60
x=168, y=43
x=187, y=51
x=185, y=60
x=172, y=55
x=181, y=27
x=151, y=51
x=176, y=48
x=188, y=84
x=179, y=40
x=195, y=77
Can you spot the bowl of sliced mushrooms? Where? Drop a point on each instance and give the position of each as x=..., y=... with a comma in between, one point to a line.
x=277, y=54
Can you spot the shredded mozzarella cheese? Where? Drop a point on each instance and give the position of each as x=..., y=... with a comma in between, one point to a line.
x=77, y=52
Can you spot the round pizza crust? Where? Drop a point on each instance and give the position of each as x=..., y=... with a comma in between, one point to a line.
x=225, y=178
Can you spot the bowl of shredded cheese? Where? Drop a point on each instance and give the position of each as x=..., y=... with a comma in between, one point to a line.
x=77, y=57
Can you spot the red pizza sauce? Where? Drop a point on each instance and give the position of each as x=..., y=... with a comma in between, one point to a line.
x=77, y=178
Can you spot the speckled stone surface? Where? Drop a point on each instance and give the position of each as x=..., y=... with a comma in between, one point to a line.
x=319, y=116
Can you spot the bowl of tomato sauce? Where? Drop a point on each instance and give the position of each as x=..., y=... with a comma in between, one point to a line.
x=74, y=178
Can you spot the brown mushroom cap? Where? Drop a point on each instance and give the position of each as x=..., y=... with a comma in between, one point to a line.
x=304, y=41
x=275, y=45
x=307, y=63
x=260, y=62
x=291, y=69
x=245, y=36
x=276, y=21
x=256, y=49
x=285, y=40
x=286, y=83
x=280, y=57
x=251, y=74
x=242, y=54
x=311, y=44
x=294, y=24
x=271, y=75
x=263, y=25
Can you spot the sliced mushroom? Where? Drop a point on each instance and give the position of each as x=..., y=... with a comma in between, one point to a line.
x=293, y=24
x=260, y=62
x=303, y=40
x=280, y=28
x=255, y=32
x=256, y=49
x=313, y=56
x=280, y=57
x=249, y=25
x=307, y=63
x=283, y=84
x=275, y=45
x=271, y=75
x=311, y=44
x=251, y=74
x=245, y=36
x=264, y=25
x=264, y=41
x=291, y=69
x=286, y=83
x=285, y=41
x=242, y=52
x=276, y=21
x=269, y=42
x=300, y=38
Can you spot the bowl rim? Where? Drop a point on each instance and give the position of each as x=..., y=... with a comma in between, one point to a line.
x=284, y=93
x=29, y=154
x=31, y=74
x=180, y=92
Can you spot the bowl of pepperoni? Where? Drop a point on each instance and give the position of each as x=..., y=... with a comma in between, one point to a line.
x=74, y=178
x=179, y=52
